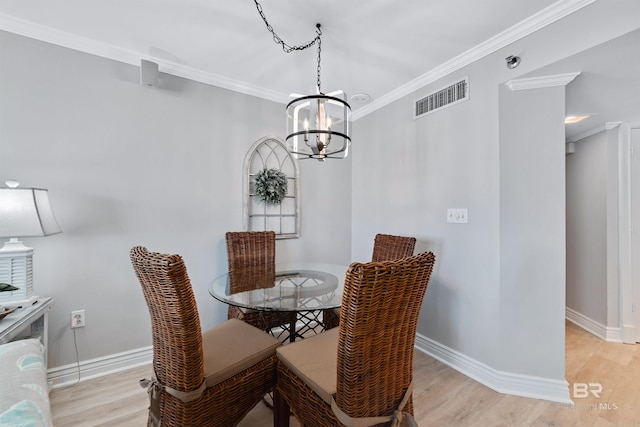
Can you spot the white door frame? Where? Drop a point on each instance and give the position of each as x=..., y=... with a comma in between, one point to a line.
x=634, y=139
x=629, y=246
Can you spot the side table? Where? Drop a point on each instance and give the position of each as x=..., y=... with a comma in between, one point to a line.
x=35, y=316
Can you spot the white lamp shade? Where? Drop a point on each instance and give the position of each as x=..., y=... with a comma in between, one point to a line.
x=26, y=212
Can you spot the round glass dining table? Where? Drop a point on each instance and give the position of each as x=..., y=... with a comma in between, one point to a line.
x=306, y=288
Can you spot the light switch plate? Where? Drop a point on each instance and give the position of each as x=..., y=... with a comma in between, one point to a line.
x=457, y=215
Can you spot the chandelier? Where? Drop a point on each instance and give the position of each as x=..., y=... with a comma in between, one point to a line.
x=318, y=125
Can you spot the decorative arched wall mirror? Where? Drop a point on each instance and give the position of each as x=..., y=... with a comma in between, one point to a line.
x=271, y=189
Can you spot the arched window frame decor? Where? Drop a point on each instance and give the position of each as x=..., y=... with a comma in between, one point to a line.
x=284, y=218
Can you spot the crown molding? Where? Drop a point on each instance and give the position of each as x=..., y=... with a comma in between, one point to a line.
x=60, y=38
x=104, y=50
x=596, y=130
x=223, y=82
x=547, y=16
x=530, y=25
x=542, y=82
x=611, y=125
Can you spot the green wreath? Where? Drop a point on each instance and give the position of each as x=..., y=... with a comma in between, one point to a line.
x=271, y=186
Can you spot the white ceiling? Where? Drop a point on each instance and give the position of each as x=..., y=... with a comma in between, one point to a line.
x=381, y=48
x=371, y=47
x=608, y=88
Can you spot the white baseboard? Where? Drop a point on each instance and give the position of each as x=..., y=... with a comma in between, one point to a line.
x=596, y=328
x=502, y=382
x=62, y=376
x=629, y=334
x=66, y=375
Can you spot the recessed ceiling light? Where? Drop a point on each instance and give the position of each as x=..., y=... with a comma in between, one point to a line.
x=360, y=98
x=575, y=119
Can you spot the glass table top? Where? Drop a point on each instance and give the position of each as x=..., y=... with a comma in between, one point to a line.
x=283, y=287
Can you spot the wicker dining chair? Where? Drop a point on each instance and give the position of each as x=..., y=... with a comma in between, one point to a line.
x=386, y=247
x=364, y=367
x=248, y=250
x=199, y=379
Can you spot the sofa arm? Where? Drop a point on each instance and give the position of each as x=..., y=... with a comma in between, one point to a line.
x=24, y=393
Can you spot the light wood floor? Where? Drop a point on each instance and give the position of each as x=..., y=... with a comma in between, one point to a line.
x=442, y=396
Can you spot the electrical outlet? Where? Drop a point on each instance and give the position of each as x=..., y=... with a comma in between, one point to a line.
x=77, y=319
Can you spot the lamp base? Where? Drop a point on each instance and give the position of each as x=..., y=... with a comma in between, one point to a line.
x=14, y=245
x=20, y=303
x=16, y=269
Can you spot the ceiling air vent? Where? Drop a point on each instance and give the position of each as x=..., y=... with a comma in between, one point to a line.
x=446, y=97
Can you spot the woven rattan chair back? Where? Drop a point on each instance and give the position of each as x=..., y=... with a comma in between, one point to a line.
x=250, y=250
x=380, y=308
x=387, y=247
x=175, y=324
x=179, y=353
x=251, y=258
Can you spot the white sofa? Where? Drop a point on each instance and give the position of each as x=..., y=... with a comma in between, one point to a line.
x=24, y=393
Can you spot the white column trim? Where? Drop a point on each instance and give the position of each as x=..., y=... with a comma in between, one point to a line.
x=611, y=125
x=542, y=81
x=590, y=132
x=624, y=235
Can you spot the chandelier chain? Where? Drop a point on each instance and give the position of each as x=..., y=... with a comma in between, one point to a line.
x=319, y=50
x=287, y=48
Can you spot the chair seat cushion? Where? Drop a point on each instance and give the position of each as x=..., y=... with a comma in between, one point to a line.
x=232, y=347
x=314, y=360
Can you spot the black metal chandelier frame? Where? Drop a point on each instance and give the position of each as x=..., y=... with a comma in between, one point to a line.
x=318, y=126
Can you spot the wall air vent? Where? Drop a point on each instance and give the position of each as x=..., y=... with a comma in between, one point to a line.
x=450, y=95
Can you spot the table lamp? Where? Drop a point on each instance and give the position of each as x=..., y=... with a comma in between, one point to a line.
x=24, y=212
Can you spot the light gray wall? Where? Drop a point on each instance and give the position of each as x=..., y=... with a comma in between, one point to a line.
x=532, y=231
x=127, y=165
x=486, y=293
x=609, y=91
x=132, y=165
x=587, y=228
x=422, y=167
